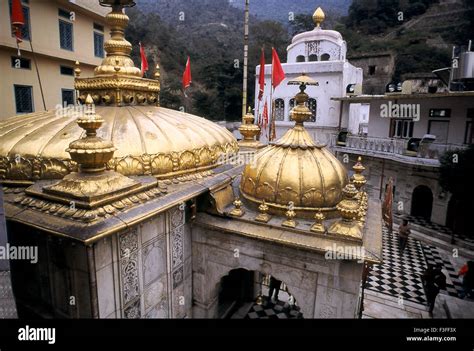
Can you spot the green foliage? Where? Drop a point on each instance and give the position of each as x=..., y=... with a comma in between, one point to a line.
x=456, y=177
x=214, y=41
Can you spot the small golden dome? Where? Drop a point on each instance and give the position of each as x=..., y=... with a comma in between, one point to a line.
x=318, y=17
x=296, y=169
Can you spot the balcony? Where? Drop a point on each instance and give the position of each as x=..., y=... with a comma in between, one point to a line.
x=424, y=154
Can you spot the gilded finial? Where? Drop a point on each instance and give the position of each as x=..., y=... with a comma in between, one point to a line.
x=157, y=72
x=349, y=209
x=249, y=131
x=301, y=112
x=290, y=215
x=77, y=70
x=263, y=216
x=237, y=211
x=91, y=153
x=318, y=226
x=358, y=179
x=318, y=17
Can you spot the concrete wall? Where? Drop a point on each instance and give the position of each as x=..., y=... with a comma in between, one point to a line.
x=44, y=31
x=405, y=179
x=322, y=288
x=380, y=127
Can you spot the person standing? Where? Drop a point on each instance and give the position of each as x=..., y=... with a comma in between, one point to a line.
x=467, y=272
x=433, y=281
x=403, y=233
x=274, y=288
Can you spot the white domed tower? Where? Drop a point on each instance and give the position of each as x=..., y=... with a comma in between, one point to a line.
x=321, y=55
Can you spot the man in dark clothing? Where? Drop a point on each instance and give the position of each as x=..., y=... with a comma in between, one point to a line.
x=467, y=272
x=403, y=233
x=433, y=281
x=274, y=287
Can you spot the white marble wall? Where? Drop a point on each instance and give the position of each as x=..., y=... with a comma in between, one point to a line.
x=322, y=288
x=145, y=272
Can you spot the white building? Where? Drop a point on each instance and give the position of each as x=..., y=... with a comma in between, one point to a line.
x=320, y=54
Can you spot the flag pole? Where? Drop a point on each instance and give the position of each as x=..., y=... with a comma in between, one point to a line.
x=37, y=73
x=246, y=58
x=270, y=130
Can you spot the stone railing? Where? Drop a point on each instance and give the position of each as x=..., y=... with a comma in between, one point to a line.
x=394, y=146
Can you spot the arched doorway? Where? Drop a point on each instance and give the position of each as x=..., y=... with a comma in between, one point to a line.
x=422, y=202
x=458, y=215
x=244, y=294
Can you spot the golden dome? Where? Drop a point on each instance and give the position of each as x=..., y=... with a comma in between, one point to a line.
x=295, y=169
x=149, y=140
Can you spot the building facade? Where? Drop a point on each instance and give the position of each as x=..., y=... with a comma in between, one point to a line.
x=321, y=55
x=75, y=32
x=406, y=145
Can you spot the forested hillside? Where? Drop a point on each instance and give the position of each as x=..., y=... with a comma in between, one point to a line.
x=211, y=33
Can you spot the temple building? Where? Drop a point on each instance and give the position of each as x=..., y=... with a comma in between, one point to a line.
x=139, y=212
x=321, y=55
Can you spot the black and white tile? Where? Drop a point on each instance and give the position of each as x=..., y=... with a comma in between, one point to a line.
x=400, y=273
x=273, y=311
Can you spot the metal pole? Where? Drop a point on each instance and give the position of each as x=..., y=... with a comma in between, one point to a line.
x=38, y=74
x=246, y=58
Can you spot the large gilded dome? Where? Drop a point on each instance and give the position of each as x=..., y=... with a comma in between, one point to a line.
x=295, y=169
x=150, y=140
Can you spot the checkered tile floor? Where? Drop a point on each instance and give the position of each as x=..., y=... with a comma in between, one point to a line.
x=438, y=228
x=273, y=311
x=400, y=273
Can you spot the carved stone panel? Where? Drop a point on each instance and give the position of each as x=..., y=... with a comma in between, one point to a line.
x=177, y=247
x=133, y=310
x=178, y=276
x=176, y=217
x=130, y=283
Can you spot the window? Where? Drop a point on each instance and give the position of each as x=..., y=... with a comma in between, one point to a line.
x=402, y=128
x=440, y=129
x=98, y=27
x=23, y=98
x=300, y=58
x=98, y=44
x=468, y=135
x=325, y=57
x=279, y=110
x=313, y=58
x=65, y=35
x=441, y=113
x=67, y=97
x=292, y=103
x=67, y=71
x=21, y=63
x=372, y=70
x=64, y=14
x=26, y=30
x=312, y=105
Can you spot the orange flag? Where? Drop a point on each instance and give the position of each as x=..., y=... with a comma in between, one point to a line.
x=187, y=76
x=387, y=205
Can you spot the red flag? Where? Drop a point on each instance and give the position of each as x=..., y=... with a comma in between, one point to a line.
x=277, y=70
x=187, y=75
x=265, y=117
x=261, y=77
x=144, y=60
x=18, y=19
x=387, y=205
